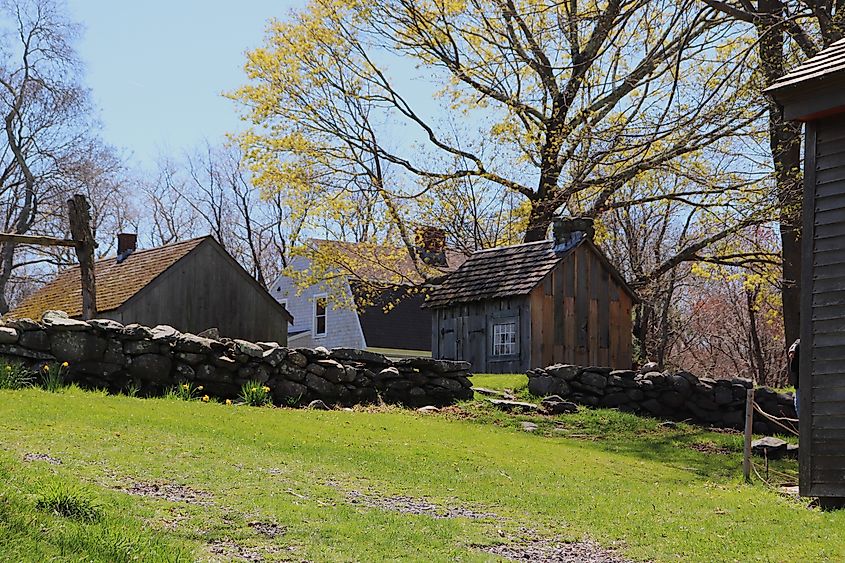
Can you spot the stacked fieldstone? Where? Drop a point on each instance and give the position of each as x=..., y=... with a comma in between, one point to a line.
x=105, y=354
x=677, y=396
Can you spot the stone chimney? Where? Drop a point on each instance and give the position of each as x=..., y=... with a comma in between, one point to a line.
x=126, y=244
x=431, y=245
x=569, y=231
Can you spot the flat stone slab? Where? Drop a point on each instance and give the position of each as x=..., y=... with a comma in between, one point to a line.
x=773, y=448
x=488, y=392
x=507, y=405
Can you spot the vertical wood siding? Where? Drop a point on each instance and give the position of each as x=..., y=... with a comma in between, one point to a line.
x=577, y=315
x=204, y=290
x=822, y=382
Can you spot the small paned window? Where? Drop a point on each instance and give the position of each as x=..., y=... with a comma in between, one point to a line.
x=320, y=317
x=504, y=339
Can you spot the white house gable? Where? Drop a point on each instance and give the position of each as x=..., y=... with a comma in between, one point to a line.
x=342, y=327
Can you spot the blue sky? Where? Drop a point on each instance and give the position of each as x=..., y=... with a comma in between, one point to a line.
x=157, y=68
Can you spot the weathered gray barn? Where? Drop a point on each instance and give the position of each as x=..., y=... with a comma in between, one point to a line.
x=510, y=309
x=192, y=286
x=814, y=93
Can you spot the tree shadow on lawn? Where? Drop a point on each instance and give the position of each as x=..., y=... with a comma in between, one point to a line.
x=711, y=453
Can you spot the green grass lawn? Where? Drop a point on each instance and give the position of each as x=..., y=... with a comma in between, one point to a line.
x=324, y=486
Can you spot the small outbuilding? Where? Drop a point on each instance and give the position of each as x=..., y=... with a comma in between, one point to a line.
x=193, y=285
x=814, y=93
x=510, y=309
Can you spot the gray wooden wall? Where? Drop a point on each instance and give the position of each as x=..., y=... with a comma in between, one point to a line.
x=822, y=378
x=207, y=289
x=463, y=332
x=578, y=314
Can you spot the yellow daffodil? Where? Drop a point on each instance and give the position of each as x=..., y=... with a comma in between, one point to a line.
x=46, y=368
x=199, y=388
x=8, y=368
x=228, y=401
x=185, y=386
x=266, y=389
x=205, y=398
x=65, y=364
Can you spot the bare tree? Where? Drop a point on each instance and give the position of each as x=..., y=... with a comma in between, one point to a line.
x=46, y=123
x=209, y=191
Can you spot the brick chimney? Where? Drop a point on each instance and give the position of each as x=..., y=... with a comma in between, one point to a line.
x=569, y=231
x=431, y=245
x=126, y=244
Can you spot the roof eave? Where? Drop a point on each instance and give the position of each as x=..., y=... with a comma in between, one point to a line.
x=827, y=98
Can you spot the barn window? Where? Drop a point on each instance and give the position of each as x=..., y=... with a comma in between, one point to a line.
x=320, y=317
x=504, y=339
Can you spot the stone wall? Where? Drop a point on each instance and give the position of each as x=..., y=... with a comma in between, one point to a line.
x=105, y=354
x=672, y=395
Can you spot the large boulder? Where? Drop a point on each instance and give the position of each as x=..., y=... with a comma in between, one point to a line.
x=593, y=379
x=35, y=340
x=555, y=404
x=355, y=355
x=248, y=348
x=152, y=367
x=195, y=344
x=135, y=331
x=320, y=386
x=75, y=346
x=542, y=385
x=288, y=392
x=58, y=320
x=106, y=325
x=8, y=335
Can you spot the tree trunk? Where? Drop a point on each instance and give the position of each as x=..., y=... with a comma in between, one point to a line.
x=758, y=361
x=79, y=217
x=785, y=143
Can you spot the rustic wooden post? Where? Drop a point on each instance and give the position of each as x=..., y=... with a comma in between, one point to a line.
x=79, y=217
x=749, y=422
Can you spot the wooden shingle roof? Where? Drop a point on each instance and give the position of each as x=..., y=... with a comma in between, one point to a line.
x=815, y=88
x=497, y=272
x=510, y=271
x=116, y=283
x=829, y=61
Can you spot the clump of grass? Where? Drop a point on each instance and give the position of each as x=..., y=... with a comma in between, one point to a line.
x=255, y=393
x=53, y=376
x=14, y=375
x=185, y=391
x=70, y=502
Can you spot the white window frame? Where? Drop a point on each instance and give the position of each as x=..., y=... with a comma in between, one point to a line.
x=317, y=297
x=503, y=349
x=284, y=303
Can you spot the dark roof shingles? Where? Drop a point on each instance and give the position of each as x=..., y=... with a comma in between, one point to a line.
x=498, y=272
x=828, y=61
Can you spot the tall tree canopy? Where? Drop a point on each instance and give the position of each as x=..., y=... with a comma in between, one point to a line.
x=559, y=103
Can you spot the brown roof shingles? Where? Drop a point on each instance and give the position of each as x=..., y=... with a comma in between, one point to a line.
x=116, y=282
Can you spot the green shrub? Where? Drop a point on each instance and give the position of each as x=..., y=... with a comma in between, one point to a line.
x=70, y=502
x=255, y=393
x=14, y=375
x=53, y=376
x=185, y=391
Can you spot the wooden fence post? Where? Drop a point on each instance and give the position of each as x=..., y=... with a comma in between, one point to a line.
x=749, y=422
x=79, y=217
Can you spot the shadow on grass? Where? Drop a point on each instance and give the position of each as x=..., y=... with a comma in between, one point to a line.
x=713, y=454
